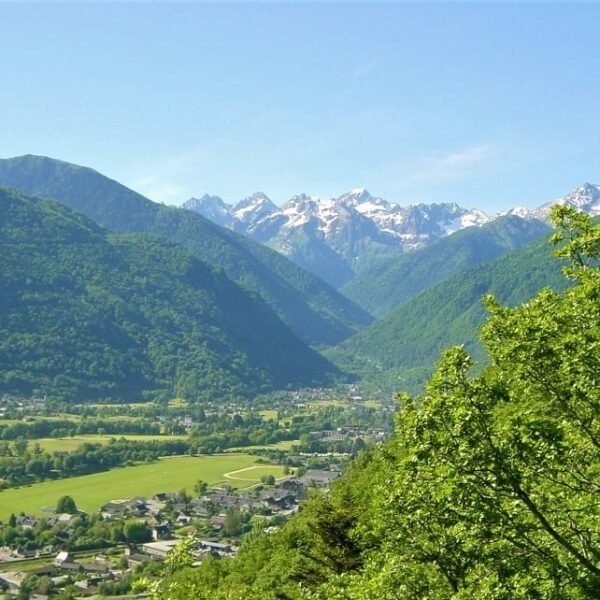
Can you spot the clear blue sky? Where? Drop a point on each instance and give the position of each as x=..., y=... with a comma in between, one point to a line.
x=488, y=105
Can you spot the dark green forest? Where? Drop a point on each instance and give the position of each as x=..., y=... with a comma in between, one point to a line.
x=314, y=311
x=489, y=488
x=387, y=283
x=400, y=350
x=90, y=315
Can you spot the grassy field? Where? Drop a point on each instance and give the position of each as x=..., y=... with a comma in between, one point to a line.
x=268, y=415
x=283, y=445
x=69, y=444
x=166, y=475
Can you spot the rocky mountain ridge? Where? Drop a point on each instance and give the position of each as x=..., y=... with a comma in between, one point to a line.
x=338, y=237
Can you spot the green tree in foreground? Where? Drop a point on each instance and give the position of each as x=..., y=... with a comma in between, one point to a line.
x=494, y=481
x=66, y=504
x=490, y=488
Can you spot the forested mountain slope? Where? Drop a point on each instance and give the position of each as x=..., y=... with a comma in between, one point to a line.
x=389, y=283
x=86, y=314
x=489, y=489
x=400, y=349
x=313, y=310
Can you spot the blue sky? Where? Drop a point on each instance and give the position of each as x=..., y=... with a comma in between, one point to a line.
x=487, y=105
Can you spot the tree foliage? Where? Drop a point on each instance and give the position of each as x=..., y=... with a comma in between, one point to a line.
x=403, y=347
x=490, y=487
x=88, y=315
x=314, y=311
x=66, y=504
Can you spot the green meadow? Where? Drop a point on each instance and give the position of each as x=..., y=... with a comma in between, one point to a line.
x=68, y=444
x=165, y=475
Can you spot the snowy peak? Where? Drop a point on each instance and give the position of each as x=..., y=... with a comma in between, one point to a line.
x=253, y=208
x=517, y=211
x=356, y=196
x=585, y=198
x=330, y=236
x=211, y=207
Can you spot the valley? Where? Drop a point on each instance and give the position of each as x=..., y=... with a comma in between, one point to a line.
x=167, y=383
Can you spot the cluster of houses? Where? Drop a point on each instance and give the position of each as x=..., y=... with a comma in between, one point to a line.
x=269, y=500
x=165, y=512
x=345, y=433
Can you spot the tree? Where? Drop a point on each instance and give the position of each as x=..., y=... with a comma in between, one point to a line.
x=268, y=479
x=200, y=487
x=233, y=521
x=136, y=532
x=494, y=487
x=66, y=504
x=489, y=488
x=184, y=498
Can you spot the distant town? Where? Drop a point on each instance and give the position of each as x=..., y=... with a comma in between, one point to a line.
x=217, y=472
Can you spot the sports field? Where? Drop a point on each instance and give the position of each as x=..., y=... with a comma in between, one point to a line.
x=166, y=475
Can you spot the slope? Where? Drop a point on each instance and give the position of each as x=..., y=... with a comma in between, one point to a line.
x=400, y=350
x=86, y=314
x=389, y=283
x=312, y=309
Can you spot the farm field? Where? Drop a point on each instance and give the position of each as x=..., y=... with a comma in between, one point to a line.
x=268, y=415
x=68, y=444
x=165, y=475
x=283, y=445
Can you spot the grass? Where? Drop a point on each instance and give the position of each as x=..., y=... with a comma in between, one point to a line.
x=68, y=444
x=283, y=445
x=178, y=403
x=166, y=475
x=268, y=415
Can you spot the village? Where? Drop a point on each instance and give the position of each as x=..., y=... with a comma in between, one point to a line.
x=152, y=527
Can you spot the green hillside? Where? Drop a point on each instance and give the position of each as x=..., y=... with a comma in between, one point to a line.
x=400, y=349
x=87, y=315
x=488, y=489
x=389, y=283
x=313, y=310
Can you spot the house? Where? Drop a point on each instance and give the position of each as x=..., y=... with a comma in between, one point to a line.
x=136, y=507
x=27, y=521
x=217, y=522
x=320, y=478
x=71, y=567
x=159, y=549
x=96, y=569
x=216, y=548
x=135, y=558
x=63, y=557
x=164, y=496
x=279, y=499
x=161, y=532
x=48, y=570
x=183, y=520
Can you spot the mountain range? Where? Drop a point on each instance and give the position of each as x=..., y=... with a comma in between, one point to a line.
x=338, y=238
x=393, y=281
x=107, y=294
x=400, y=350
x=315, y=312
x=92, y=315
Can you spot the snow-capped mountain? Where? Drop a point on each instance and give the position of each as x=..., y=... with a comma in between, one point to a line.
x=585, y=198
x=330, y=235
x=252, y=210
x=213, y=208
x=335, y=237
